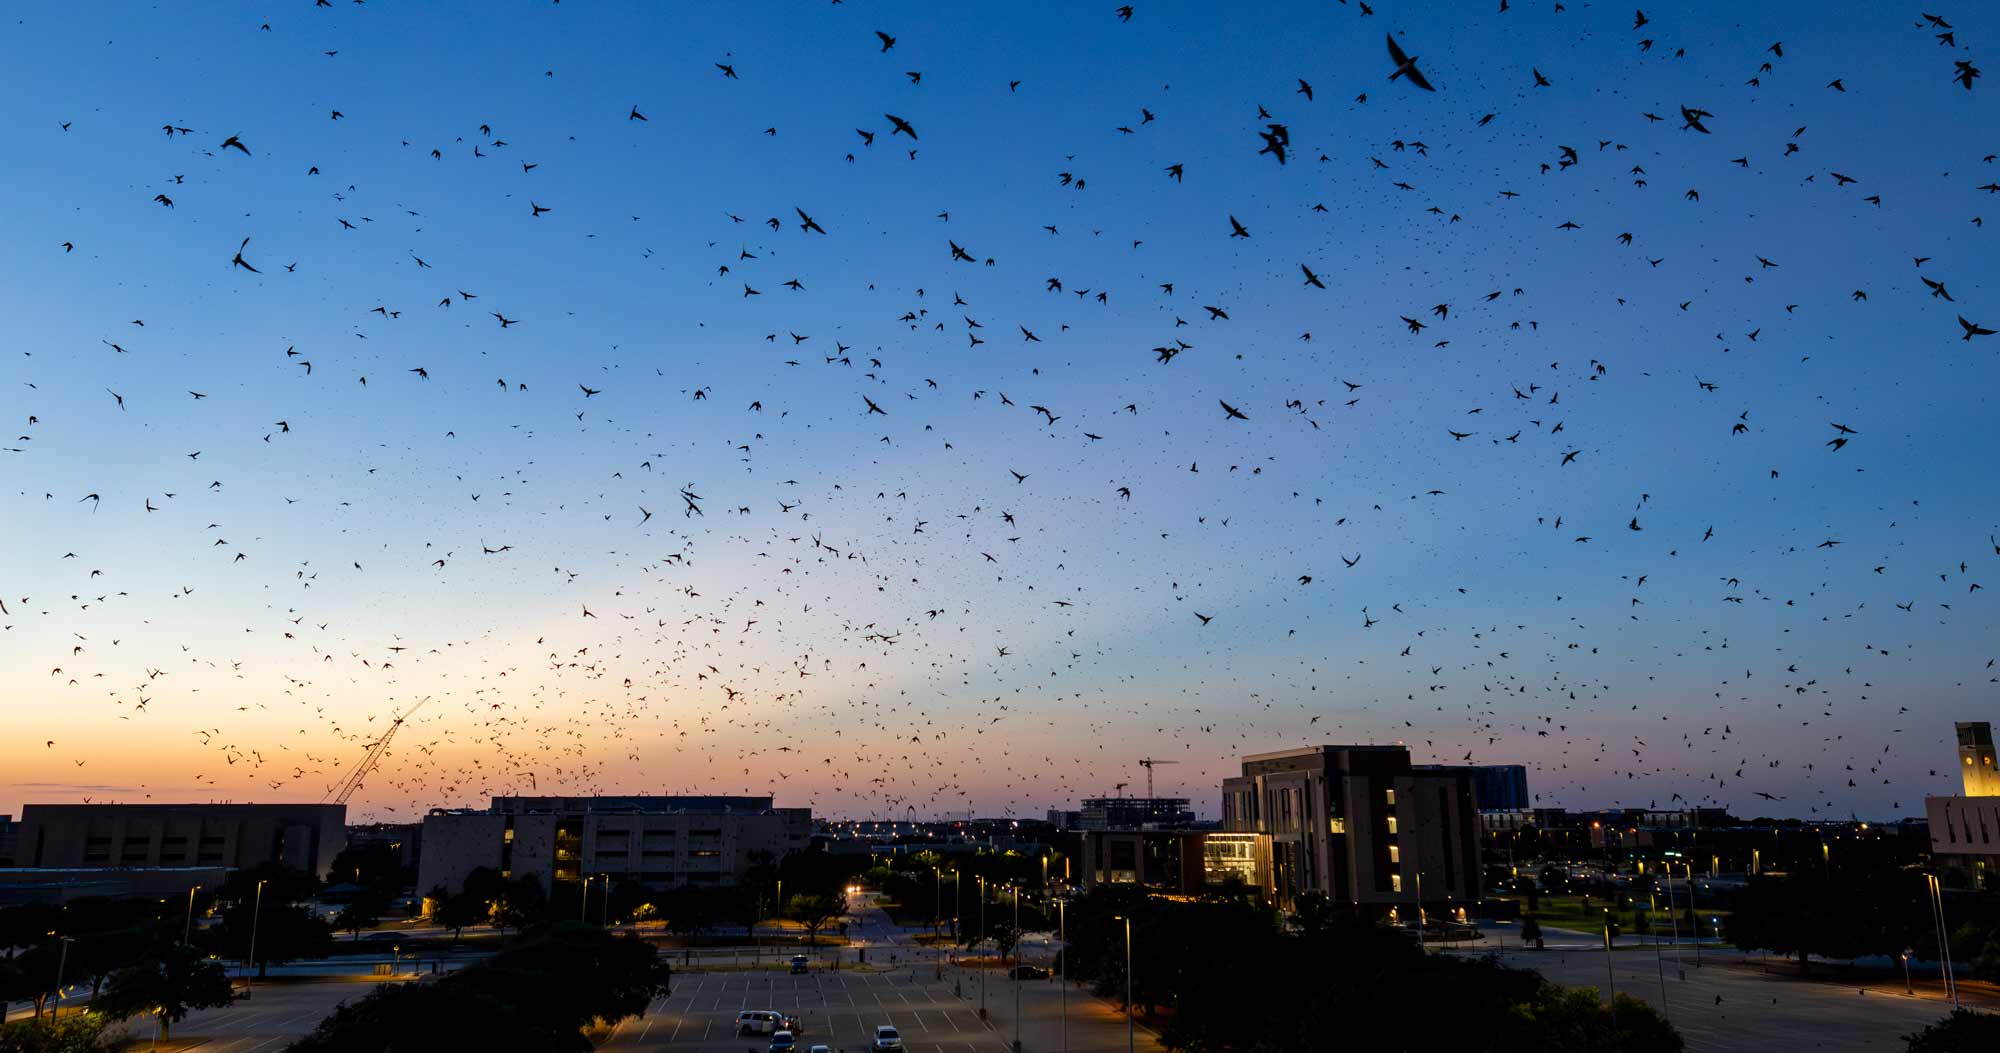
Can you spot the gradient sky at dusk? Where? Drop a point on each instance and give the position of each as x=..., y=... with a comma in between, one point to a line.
x=805, y=635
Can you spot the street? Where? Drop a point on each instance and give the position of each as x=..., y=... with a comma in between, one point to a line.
x=1756, y=1010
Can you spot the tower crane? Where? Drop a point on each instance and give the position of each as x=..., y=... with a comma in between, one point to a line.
x=352, y=782
x=1148, y=764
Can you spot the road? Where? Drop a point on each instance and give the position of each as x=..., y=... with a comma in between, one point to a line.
x=1756, y=1010
x=912, y=987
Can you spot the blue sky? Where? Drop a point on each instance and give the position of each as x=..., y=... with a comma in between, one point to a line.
x=621, y=288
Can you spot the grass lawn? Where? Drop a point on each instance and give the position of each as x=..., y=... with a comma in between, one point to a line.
x=1569, y=912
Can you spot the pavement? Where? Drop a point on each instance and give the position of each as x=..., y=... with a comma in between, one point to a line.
x=1732, y=1001
x=933, y=1001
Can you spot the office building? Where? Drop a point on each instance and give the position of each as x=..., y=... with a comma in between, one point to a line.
x=1173, y=862
x=1496, y=787
x=10, y=835
x=232, y=836
x=1134, y=813
x=1361, y=825
x=58, y=885
x=662, y=841
x=1965, y=830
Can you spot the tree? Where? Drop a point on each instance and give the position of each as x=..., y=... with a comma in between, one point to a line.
x=77, y=1033
x=412, y=1017
x=1531, y=930
x=455, y=912
x=359, y=913
x=1964, y=1031
x=520, y=903
x=1844, y=915
x=1576, y=1020
x=1005, y=939
x=690, y=911
x=1313, y=911
x=284, y=932
x=167, y=985
x=534, y=997
x=815, y=910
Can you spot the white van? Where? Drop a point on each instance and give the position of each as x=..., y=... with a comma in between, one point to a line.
x=759, y=1022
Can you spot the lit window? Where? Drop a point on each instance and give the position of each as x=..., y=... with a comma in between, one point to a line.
x=1395, y=854
x=1395, y=882
x=1391, y=795
x=1392, y=824
x=1336, y=826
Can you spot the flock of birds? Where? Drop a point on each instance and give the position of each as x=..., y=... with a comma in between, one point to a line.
x=961, y=505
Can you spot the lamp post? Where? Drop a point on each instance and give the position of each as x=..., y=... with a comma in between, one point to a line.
x=1675, y=918
x=1944, y=935
x=1062, y=936
x=1017, y=960
x=1692, y=916
x=583, y=902
x=256, y=915
x=1610, y=979
x=982, y=937
x=1128, y=984
x=937, y=897
x=187, y=931
x=61, y=961
x=1908, y=988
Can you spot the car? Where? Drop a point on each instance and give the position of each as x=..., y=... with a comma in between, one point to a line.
x=887, y=1038
x=819, y=1049
x=783, y=1042
x=799, y=963
x=759, y=1022
x=1027, y=972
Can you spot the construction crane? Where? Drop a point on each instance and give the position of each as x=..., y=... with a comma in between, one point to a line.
x=346, y=787
x=1119, y=788
x=1148, y=763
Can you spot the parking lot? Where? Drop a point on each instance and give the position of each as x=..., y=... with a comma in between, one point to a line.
x=839, y=1009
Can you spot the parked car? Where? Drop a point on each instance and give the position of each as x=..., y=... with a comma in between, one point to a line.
x=887, y=1038
x=759, y=1022
x=799, y=963
x=783, y=1042
x=1027, y=972
x=819, y=1049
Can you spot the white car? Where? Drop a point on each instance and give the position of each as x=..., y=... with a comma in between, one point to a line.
x=887, y=1038
x=759, y=1022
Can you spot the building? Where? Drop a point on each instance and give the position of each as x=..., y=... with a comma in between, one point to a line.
x=1965, y=830
x=1361, y=825
x=59, y=885
x=1173, y=862
x=406, y=840
x=10, y=835
x=1975, y=755
x=232, y=836
x=662, y=841
x=1134, y=813
x=1497, y=787
x=1065, y=818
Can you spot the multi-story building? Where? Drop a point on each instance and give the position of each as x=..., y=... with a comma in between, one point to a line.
x=1175, y=862
x=662, y=841
x=1498, y=787
x=10, y=835
x=1965, y=830
x=234, y=836
x=1360, y=825
x=1134, y=813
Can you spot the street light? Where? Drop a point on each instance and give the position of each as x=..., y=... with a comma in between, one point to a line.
x=61, y=961
x=256, y=915
x=1128, y=979
x=982, y=937
x=1062, y=936
x=187, y=931
x=1017, y=962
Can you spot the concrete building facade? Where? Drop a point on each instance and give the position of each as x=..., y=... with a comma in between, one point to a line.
x=1134, y=813
x=662, y=841
x=232, y=836
x=1976, y=760
x=1360, y=825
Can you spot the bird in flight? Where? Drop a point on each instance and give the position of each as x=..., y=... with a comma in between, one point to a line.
x=1406, y=67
